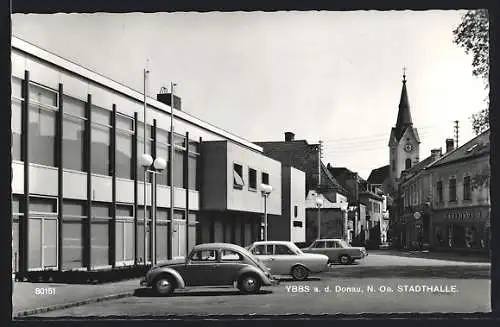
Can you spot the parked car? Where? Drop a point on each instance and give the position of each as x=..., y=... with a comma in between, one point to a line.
x=285, y=258
x=337, y=250
x=210, y=264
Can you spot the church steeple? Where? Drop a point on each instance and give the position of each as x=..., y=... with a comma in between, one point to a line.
x=404, y=116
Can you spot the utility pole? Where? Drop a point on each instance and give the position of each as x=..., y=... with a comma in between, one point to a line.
x=456, y=134
x=320, y=156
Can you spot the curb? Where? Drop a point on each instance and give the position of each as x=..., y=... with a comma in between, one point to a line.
x=72, y=304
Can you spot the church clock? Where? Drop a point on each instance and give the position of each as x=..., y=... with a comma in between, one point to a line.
x=408, y=147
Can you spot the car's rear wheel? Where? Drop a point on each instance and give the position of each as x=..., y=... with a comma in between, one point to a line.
x=345, y=259
x=249, y=284
x=164, y=285
x=299, y=272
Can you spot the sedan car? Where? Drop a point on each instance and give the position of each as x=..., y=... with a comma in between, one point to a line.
x=337, y=250
x=211, y=264
x=285, y=258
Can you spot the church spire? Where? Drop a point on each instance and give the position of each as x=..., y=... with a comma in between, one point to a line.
x=404, y=116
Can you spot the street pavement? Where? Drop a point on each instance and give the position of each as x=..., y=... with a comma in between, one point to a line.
x=343, y=296
x=365, y=287
x=30, y=296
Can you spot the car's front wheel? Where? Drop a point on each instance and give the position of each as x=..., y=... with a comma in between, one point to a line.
x=299, y=272
x=345, y=259
x=249, y=284
x=164, y=285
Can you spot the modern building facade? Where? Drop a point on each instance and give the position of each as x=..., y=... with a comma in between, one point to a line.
x=78, y=181
x=232, y=201
x=291, y=225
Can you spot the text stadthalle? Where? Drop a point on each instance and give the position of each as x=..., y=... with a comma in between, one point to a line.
x=427, y=288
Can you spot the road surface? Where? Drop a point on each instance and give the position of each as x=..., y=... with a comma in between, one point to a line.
x=378, y=284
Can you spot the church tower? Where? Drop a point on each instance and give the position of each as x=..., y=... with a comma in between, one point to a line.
x=404, y=141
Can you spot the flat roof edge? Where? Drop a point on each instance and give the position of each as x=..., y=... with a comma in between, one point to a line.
x=56, y=60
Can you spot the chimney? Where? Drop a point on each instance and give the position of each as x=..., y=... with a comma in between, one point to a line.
x=289, y=136
x=449, y=145
x=436, y=154
x=166, y=98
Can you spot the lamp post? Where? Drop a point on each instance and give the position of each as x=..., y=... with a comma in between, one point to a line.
x=265, y=190
x=172, y=85
x=146, y=162
x=319, y=204
x=155, y=166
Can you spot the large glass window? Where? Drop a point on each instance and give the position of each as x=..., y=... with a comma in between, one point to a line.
x=17, y=214
x=193, y=164
x=43, y=105
x=42, y=233
x=140, y=234
x=140, y=149
x=101, y=141
x=162, y=234
x=74, y=215
x=163, y=151
x=99, y=234
x=73, y=134
x=179, y=150
x=124, y=146
x=178, y=168
x=124, y=233
x=16, y=120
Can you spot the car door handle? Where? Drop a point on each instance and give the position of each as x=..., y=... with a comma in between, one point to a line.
x=271, y=259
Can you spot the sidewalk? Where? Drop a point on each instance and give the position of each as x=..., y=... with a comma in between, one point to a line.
x=451, y=256
x=27, y=300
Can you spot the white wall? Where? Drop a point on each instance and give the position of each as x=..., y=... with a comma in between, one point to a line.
x=245, y=199
x=17, y=177
x=298, y=198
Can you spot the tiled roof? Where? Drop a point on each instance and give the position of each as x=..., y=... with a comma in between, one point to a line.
x=379, y=175
x=332, y=182
x=420, y=165
x=478, y=146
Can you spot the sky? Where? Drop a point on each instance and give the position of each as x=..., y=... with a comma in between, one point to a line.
x=323, y=75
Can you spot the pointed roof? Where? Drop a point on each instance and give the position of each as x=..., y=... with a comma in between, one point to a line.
x=404, y=115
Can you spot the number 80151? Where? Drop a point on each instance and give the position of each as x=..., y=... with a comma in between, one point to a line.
x=45, y=291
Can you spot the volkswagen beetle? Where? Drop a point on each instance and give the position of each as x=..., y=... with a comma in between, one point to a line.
x=210, y=264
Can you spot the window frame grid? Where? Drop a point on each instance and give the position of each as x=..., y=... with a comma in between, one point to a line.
x=46, y=106
x=121, y=115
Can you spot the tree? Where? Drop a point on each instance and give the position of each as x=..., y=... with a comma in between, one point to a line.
x=472, y=35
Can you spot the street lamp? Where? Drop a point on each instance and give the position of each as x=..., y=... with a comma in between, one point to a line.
x=265, y=190
x=155, y=166
x=319, y=204
x=146, y=162
x=171, y=182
